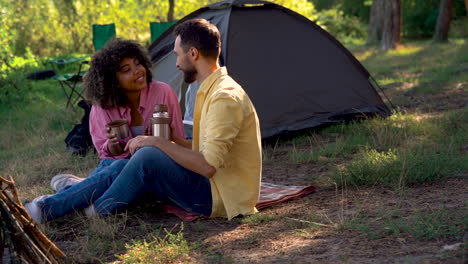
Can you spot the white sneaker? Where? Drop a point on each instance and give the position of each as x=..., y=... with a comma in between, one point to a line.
x=34, y=210
x=90, y=211
x=61, y=180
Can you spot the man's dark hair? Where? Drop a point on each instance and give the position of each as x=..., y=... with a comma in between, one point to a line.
x=102, y=86
x=201, y=34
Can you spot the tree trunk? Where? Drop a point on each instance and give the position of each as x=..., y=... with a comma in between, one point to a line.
x=443, y=21
x=170, y=12
x=466, y=7
x=376, y=22
x=392, y=25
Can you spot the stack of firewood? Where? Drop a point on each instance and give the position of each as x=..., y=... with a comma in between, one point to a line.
x=19, y=233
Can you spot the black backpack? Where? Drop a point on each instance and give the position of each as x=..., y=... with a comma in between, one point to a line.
x=79, y=140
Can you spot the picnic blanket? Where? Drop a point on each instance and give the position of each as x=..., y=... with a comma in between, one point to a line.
x=270, y=194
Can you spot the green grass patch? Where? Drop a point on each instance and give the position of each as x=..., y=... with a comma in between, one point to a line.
x=398, y=168
x=442, y=223
x=258, y=218
x=171, y=248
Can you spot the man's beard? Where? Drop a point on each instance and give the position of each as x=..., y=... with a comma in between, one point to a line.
x=189, y=75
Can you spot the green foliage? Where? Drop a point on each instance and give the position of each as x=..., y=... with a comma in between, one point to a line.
x=341, y=26
x=64, y=26
x=459, y=28
x=356, y=8
x=420, y=16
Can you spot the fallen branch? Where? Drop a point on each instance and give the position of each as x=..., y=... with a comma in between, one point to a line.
x=22, y=234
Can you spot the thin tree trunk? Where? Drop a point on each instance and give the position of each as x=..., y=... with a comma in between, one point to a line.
x=376, y=22
x=466, y=7
x=443, y=21
x=392, y=25
x=170, y=12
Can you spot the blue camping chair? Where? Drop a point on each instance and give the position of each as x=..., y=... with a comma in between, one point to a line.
x=69, y=81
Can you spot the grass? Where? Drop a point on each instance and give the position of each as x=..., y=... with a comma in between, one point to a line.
x=256, y=219
x=170, y=248
x=423, y=142
x=421, y=225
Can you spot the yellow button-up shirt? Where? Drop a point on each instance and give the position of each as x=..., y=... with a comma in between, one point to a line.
x=226, y=131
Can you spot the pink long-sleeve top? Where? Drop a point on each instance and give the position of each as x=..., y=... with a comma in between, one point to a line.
x=155, y=93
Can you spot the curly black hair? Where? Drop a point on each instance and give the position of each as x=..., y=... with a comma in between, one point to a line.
x=100, y=81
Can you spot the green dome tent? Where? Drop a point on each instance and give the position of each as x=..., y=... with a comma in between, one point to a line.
x=297, y=75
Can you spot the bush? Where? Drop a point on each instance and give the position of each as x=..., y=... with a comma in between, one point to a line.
x=342, y=27
x=420, y=16
x=459, y=28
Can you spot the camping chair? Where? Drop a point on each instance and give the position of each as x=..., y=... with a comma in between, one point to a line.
x=157, y=28
x=102, y=34
x=70, y=81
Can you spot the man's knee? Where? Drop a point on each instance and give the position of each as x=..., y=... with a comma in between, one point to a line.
x=149, y=155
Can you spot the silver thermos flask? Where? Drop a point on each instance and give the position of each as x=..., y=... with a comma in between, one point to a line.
x=161, y=122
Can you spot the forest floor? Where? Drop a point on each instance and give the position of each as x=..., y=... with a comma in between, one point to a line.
x=411, y=221
x=418, y=223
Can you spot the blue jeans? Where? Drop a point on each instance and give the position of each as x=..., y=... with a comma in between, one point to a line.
x=102, y=164
x=149, y=172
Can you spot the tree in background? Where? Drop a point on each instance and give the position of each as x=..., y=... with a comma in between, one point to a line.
x=391, y=33
x=376, y=22
x=385, y=23
x=443, y=21
x=170, y=12
x=53, y=28
x=466, y=7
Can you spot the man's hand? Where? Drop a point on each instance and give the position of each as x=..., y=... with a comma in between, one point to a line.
x=137, y=143
x=185, y=157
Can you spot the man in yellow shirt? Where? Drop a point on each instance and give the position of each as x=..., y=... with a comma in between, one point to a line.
x=217, y=175
x=226, y=145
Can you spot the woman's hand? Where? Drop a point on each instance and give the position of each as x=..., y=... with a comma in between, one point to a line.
x=113, y=143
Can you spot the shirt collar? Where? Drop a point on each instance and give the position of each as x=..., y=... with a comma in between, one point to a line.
x=208, y=82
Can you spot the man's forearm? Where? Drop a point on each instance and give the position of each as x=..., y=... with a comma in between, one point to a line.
x=187, y=158
x=183, y=142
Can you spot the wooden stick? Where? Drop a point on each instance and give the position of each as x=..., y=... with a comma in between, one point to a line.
x=25, y=219
x=31, y=250
x=17, y=211
x=13, y=190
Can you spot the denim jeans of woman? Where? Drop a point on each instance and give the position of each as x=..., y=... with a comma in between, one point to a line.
x=149, y=172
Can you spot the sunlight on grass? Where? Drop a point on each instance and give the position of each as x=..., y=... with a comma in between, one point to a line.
x=172, y=248
x=365, y=55
x=405, y=50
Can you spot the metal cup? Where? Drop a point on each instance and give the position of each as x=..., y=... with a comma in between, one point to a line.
x=120, y=128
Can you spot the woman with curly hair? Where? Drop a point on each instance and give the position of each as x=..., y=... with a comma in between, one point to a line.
x=119, y=85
